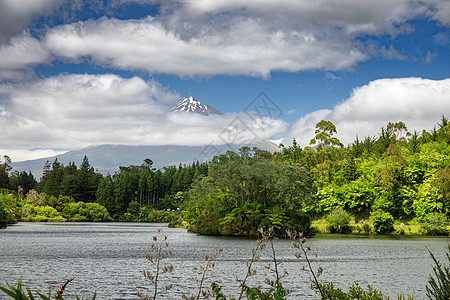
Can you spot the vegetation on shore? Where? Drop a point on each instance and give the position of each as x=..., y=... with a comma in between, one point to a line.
x=377, y=183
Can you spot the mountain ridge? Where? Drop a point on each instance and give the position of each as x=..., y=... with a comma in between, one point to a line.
x=107, y=158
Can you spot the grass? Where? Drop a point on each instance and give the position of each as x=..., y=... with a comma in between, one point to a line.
x=409, y=229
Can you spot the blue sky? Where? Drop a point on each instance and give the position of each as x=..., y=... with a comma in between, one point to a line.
x=79, y=73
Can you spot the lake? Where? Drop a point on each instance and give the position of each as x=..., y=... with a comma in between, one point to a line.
x=109, y=258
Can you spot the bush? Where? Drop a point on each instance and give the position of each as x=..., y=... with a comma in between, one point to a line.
x=338, y=221
x=5, y=215
x=40, y=214
x=383, y=222
x=435, y=224
x=367, y=228
x=81, y=211
x=355, y=292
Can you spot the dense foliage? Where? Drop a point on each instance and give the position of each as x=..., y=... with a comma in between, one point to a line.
x=245, y=192
x=396, y=175
x=405, y=175
x=161, y=189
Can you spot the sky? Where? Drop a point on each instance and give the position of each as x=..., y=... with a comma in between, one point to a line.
x=80, y=73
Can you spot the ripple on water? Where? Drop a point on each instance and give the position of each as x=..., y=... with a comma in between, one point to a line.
x=110, y=258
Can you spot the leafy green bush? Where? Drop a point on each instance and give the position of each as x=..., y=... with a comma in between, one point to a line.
x=367, y=228
x=5, y=215
x=338, y=221
x=81, y=211
x=383, y=222
x=40, y=214
x=355, y=292
x=435, y=224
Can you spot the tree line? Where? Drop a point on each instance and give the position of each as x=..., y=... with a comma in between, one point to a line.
x=396, y=173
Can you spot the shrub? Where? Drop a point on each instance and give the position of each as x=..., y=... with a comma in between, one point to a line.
x=338, y=221
x=81, y=211
x=367, y=228
x=435, y=224
x=355, y=292
x=3, y=215
x=40, y=214
x=383, y=222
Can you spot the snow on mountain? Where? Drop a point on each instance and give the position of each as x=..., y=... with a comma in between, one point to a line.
x=192, y=105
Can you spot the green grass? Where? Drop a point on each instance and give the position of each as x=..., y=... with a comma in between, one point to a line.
x=409, y=229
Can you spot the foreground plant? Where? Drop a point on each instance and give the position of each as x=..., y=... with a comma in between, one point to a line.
x=276, y=290
x=17, y=293
x=298, y=242
x=439, y=287
x=155, y=254
x=205, y=270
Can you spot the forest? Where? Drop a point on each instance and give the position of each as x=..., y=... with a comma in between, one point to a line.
x=395, y=177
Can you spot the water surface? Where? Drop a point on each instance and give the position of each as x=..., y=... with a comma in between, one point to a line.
x=109, y=258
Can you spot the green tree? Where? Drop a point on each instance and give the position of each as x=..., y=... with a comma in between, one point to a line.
x=293, y=153
x=105, y=194
x=5, y=168
x=87, y=181
x=53, y=180
x=324, y=139
x=250, y=191
x=326, y=150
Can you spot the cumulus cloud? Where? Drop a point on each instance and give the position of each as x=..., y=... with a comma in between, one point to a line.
x=350, y=16
x=247, y=47
x=15, y=15
x=440, y=11
x=19, y=56
x=417, y=102
x=207, y=38
x=74, y=111
x=253, y=38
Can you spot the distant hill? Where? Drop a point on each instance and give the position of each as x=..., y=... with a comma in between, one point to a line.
x=107, y=158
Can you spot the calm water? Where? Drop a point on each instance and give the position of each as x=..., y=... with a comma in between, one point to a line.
x=110, y=258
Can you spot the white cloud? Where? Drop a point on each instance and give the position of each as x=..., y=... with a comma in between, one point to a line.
x=352, y=16
x=15, y=15
x=22, y=154
x=19, y=56
x=253, y=38
x=205, y=38
x=74, y=111
x=417, y=102
x=440, y=11
x=246, y=47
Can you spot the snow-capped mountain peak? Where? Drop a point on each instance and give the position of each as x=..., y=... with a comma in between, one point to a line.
x=192, y=105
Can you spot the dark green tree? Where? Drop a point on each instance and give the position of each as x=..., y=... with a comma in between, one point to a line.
x=244, y=192
x=87, y=182
x=5, y=168
x=52, y=185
